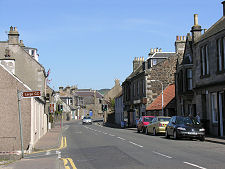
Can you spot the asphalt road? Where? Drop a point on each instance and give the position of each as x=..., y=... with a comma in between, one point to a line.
x=97, y=147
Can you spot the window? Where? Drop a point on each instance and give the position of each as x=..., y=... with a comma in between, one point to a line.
x=149, y=63
x=138, y=88
x=204, y=60
x=154, y=62
x=189, y=79
x=221, y=54
x=143, y=87
x=214, y=108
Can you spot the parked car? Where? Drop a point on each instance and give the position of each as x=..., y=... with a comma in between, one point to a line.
x=180, y=126
x=143, y=122
x=87, y=120
x=158, y=125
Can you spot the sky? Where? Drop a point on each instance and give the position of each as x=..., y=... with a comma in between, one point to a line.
x=90, y=43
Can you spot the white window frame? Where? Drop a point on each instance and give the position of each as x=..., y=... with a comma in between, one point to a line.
x=219, y=55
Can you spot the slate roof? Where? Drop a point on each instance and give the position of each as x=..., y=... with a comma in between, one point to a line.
x=161, y=55
x=88, y=93
x=168, y=96
x=214, y=29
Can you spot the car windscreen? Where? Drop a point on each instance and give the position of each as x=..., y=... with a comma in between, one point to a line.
x=87, y=118
x=186, y=120
x=148, y=119
x=162, y=119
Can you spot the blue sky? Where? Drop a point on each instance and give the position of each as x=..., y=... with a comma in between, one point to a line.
x=90, y=43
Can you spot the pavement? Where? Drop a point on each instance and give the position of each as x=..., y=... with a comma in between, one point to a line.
x=44, y=155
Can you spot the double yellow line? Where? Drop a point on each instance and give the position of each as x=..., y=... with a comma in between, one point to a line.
x=65, y=161
x=63, y=143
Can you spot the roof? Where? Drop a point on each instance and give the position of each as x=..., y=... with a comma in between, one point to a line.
x=216, y=28
x=160, y=55
x=88, y=93
x=168, y=96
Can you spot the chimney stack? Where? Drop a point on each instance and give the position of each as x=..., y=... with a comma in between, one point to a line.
x=180, y=44
x=60, y=89
x=196, y=29
x=223, y=7
x=13, y=36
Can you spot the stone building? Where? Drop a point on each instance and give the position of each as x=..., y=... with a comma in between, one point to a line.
x=89, y=103
x=144, y=83
x=205, y=76
x=112, y=93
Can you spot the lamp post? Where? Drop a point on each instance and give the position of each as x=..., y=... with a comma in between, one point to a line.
x=162, y=91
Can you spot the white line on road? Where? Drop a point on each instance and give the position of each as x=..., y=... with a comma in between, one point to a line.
x=105, y=133
x=112, y=135
x=194, y=165
x=135, y=144
x=161, y=154
x=121, y=138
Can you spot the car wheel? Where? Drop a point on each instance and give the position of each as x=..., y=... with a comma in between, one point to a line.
x=154, y=132
x=146, y=131
x=202, y=138
x=138, y=130
x=175, y=136
x=143, y=130
x=167, y=135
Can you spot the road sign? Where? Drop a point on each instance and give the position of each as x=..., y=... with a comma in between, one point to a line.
x=32, y=94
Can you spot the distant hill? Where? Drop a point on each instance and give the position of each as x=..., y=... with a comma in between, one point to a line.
x=103, y=91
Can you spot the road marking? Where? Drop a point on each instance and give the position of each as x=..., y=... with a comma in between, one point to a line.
x=135, y=144
x=105, y=133
x=72, y=163
x=48, y=153
x=194, y=165
x=161, y=154
x=65, y=161
x=112, y=135
x=121, y=138
x=65, y=143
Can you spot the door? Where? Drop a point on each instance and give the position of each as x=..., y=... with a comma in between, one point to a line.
x=221, y=114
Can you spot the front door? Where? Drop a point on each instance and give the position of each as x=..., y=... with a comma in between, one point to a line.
x=221, y=114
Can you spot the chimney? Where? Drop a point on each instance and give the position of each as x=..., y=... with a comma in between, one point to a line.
x=180, y=44
x=60, y=89
x=21, y=43
x=137, y=62
x=117, y=82
x=157, y=49
x=13, y=36
x=223, y=7
x=196, y=29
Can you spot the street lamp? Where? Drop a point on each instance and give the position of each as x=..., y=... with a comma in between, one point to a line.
x=162, y=91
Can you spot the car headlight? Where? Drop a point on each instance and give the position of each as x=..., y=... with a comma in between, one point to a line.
x=181, y=128
x=202, y=129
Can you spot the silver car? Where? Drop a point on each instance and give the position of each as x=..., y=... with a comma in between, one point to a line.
x=87, y=120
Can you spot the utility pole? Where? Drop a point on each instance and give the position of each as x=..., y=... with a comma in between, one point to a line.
x=19, y=96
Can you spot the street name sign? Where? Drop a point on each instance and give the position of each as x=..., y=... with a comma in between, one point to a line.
x=32, y=94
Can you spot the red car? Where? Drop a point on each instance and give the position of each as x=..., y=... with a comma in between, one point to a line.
x=143, y=122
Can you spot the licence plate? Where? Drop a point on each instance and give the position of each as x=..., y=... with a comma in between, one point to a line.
x=192, y=133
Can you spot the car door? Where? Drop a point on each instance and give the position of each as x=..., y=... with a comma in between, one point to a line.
x=170, y=126
x=151, y=125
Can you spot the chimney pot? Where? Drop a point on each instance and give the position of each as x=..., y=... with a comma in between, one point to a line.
x=160, y=50
x=151, y=50
x=184, y=38
x=180, y=37
x=177, y=37
x=195, y=19
x=154, y=49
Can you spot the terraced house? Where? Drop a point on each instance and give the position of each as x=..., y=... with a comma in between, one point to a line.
x=201, y=76
x=148, y=79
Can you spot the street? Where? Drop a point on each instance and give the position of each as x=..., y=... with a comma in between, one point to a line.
x=99, y=147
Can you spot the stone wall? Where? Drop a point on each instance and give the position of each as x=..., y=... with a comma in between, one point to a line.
x=163, y=72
